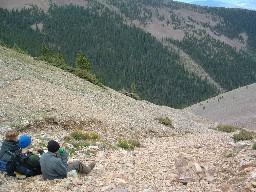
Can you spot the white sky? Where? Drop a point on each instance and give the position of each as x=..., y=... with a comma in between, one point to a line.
x=247, y=4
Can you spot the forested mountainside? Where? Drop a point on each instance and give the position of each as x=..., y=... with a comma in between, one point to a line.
x=141, y=44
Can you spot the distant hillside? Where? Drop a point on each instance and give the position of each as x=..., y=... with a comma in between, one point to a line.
x=237, y=107
x=169, y=53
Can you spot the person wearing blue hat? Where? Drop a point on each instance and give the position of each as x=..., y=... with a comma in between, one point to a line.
x=28, y=160
x=25, y=141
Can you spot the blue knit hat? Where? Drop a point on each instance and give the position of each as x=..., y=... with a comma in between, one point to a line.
x=25, y=141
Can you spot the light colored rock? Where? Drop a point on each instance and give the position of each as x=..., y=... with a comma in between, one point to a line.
x=253, y=183
x=197, y=168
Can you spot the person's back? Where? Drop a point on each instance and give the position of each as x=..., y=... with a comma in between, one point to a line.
x=28, y=163
x=54, y=163
x=52, y=167
x=9, y=146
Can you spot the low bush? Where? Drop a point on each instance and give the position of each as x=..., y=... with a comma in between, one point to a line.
x=128, y=144
x=227, y=128
x=254, y=146
x=78, y=144
x=85, y=135
x=243, y=135
x=84, y=74
x=165, y=121
x=130, y=94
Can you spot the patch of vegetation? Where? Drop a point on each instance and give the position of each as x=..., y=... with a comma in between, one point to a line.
x=89, y=152
x=16, y=125
x=254, y=146
x=72, y=151
x=227, y=128
x=244, y=135
x=2, y=43
x=78, y=144
x=85, y=135
x=165, y=121
x=84, y=74
x=129, y=144
x=80, y=140
x=130, y=94
x=133, y=93
x=82, y=67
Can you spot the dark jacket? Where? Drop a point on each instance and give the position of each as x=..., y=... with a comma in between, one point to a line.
x=54, y=166
x=11, y=146
x=29, y=164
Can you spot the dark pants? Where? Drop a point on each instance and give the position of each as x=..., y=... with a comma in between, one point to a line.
x=79, y=167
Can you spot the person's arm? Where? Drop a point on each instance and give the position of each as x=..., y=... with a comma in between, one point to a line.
x=33, y=161
x=60, y=168
x=64, y=158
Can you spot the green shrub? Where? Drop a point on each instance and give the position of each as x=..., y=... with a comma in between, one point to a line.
x=128, y=144
x=165, y=121
x=84, y=74
x=72, y=152
x=227, y=128
x=85, y=135
x=243, y=135
x=2, y=43
x=254, y=146
x=130, y=94
x=77, y=144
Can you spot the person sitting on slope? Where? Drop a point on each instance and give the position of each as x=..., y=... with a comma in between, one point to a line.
x=10, y=146
x=28, y=162
x=54, y=163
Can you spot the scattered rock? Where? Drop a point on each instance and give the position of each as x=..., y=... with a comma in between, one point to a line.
x=54, y=103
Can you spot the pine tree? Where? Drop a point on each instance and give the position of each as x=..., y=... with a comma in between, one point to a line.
x=82, y=61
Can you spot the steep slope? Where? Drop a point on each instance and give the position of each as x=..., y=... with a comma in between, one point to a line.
x=237, y=107
x=48, y=103
x=33, y=89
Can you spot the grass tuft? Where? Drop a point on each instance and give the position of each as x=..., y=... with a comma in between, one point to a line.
x=244, y=135
x=128, y=144
x=85, y=135
x=165, y=121
x=227, y=128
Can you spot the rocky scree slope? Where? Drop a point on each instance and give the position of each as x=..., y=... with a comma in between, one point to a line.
x=237, y=107
x=48, y=103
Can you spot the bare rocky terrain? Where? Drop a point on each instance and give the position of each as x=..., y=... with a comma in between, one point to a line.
x=237, y=107
x=48, y=103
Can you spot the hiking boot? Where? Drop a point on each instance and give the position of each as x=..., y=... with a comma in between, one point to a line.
x=85, y=168
x=92, y=165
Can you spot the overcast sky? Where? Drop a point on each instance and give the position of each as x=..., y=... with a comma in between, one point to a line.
x=226, y=1
x=247, y=4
